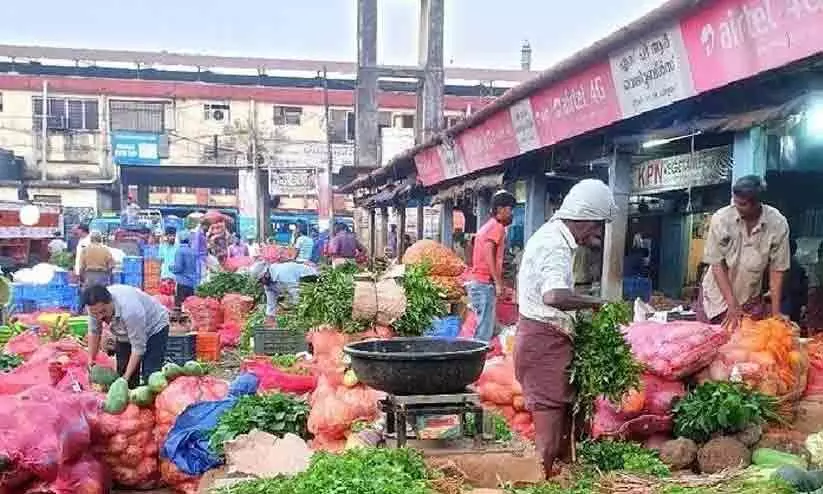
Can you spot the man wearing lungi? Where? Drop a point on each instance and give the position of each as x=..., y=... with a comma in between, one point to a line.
x=543, y=349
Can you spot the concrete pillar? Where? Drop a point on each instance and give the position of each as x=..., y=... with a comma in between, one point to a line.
x=421, y=219
x=447, y=223
x=383, y=237
x=430, y=57
x=372, y=232
x=264, y=207
x=483, y=207
x=535, y=205
x=614, y=243
x=367, y=134
x=749, y=151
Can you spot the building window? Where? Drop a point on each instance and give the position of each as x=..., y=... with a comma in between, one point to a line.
x=138, y=116
x=404, y=121
x=180, y=190
x=287, y=115
x=158, y=189
x=67, y=114
x=216, y=112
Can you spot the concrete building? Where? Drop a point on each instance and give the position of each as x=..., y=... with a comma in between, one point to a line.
x=177, y=132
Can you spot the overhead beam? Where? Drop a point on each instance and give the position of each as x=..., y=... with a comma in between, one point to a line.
x=147, y=59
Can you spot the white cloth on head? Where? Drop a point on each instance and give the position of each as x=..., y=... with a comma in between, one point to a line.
x=588, y=200
x=258, y=269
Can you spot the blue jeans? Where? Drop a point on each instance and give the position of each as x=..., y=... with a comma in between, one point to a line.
x=483, y=298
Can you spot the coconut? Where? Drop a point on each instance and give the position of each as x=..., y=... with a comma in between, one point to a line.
x=722, y=453
x=679, y=454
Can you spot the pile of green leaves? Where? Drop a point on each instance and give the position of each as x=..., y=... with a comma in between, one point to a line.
x=284, y=361
x=608, y=456
x=219, y=284
x=256, y=319
x=424, y=302
x=276, y=413
x=63, y=259
x=603, y=364
x=583, y=481
x=721, y=407
x=329, y=300
x=355, y=471
x=9, y=361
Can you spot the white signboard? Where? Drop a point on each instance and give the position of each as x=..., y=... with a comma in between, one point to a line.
x=652, y=72
x=293, y=182
x=312, y=155
x=453, y=163
x=707, y=167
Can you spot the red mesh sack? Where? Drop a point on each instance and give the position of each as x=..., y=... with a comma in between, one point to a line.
x=229, y=334
x=23, y=344
x=334, y=408
x=41, y=431
x=205, y=314
x=127, y=446
x=234, y=263
x=814, y=379
x=276, y=253
x=168, y=405
x=236, y=308
x=62, y=364
x=86, y=476
x=272, y=379
x=442, y=260
x=675, y=350
x=501, y=393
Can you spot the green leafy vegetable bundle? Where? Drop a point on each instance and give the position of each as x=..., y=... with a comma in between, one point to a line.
x=276, y=413
x=329, y=300
x=603, y=363
x=355, y=471
x=424, y=302
x=256, y=319
x=9, y=361
x=721, y=407
x=608, y=456
x=224, y=282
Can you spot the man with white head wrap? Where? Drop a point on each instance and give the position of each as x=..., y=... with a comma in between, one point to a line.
x=543, y=351
x=280, y=277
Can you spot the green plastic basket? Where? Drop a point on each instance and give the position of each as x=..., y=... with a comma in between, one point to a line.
x=79, y=326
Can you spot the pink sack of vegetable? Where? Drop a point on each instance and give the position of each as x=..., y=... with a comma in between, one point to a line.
x=675, y=350
x=234, y=263
x=273, y=379
x=23, y=344
x=229, y=334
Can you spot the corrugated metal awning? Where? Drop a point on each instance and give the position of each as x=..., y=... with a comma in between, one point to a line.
x=470, y=186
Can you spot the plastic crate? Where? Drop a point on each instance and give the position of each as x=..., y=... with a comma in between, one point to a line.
x=60, y=278
x=278, y=342
x=181, y=348
x=445, y=327
x=132, y=265
x=637, y=287
x=133, y=280
x=151, y=252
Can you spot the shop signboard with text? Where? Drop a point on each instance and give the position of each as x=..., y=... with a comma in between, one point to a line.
x=707, y=167
x=292, y=182
x=717, y=43
x=135, y=148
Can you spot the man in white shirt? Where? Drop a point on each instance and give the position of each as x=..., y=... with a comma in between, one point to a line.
x=82, y=232
x=546, y=299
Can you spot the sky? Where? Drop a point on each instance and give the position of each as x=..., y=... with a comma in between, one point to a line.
x=478, y=33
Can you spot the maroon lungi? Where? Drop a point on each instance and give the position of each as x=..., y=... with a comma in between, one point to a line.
x=542, y=357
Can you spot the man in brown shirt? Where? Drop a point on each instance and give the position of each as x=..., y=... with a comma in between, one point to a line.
x=745, y=240
x=96, y=262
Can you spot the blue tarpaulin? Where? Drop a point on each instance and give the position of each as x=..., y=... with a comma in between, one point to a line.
x=187, y=445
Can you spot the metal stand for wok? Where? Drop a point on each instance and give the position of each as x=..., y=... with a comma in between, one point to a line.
x=400, y=408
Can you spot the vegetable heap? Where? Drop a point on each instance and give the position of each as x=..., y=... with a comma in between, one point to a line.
x=721, y=407
x=224, y=282
x=276, y=414
x=608, y=456
x=255, y=320
x=9, y=361
x=424, y=301
x=603, y=363
x=359, y=470
x=118, y=395
x=329, y=300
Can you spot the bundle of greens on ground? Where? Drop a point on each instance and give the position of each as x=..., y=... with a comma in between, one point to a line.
x=603, y=364
x=608, y=456
x=276, y=413
x=219, y=284
x=424, y=302
x=355, y=471
x=721, y=408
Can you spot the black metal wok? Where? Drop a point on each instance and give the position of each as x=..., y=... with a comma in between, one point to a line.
x=418, y=366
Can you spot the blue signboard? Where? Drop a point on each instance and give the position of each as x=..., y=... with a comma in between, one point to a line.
x=247, y=227
x=134, y=148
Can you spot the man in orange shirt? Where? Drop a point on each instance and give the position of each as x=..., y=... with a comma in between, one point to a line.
x=486, y=273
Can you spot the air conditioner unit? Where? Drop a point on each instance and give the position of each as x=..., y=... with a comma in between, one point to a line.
x=217, y=114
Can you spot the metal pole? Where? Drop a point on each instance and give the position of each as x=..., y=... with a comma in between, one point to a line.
x=259, y=210
x=44, y=133
x=329, y=154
